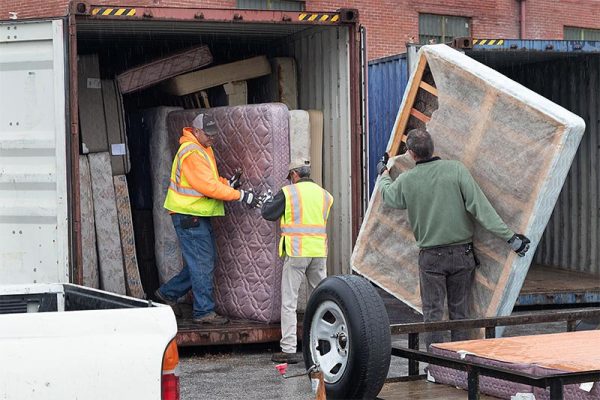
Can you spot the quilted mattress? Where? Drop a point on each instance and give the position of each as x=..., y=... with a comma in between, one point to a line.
x=538, y=355
x=162, y=151
x=248, y=267
x=88, y=232
x=518, y=146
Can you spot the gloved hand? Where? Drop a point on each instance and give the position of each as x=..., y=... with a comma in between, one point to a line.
x=519, y=243
x=382, y=164
x=249, y=198
x=265, y=197
x=235, y=181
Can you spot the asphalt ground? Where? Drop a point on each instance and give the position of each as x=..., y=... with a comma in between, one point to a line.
x=246, y=372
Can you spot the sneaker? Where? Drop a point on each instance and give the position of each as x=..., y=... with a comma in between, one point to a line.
x=211, y=318
x=162, y=299
x=290, y=358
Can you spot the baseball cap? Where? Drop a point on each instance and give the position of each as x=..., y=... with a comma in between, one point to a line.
x=207, y=123
x=298, y=163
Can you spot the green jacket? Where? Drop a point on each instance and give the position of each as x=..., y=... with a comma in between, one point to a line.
x=442, y=199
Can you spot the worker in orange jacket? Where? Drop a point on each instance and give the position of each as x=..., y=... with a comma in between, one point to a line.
x=196, y=193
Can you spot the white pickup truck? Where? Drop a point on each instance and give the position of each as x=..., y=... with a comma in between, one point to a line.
x=64, y=341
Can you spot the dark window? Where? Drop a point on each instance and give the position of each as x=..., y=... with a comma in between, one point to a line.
x=574, y=33
x=442, y=28
x=285, y=5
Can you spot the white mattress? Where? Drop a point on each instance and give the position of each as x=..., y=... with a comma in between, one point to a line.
x=133, y=282
x=162, y=151
x=112, y=278
x=299, y=135
x=88, y=232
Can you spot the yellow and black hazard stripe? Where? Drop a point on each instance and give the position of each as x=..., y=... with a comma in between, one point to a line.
x=312, y=17
x=119, y=12
x=488, y=42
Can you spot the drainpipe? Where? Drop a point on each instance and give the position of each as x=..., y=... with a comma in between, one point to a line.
x=522, y=19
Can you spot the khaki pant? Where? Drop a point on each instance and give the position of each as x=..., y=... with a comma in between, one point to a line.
x=294, y=269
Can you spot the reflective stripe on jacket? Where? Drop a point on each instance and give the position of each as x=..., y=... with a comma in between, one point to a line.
x=304, y=222
x=182, y=197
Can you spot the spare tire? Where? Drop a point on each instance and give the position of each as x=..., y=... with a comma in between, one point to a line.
x=347, y=332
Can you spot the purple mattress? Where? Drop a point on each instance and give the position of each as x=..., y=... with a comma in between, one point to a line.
x=500, y=388
x=248, y=267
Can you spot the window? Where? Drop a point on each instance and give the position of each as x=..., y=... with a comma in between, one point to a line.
x=573, y=33
x=285, y=5
x=442, y=28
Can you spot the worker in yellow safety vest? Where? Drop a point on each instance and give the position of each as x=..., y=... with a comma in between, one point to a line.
x=303, y=209
x=196, y=193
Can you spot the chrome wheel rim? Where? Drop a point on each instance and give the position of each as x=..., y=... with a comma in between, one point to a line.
x=330, y=341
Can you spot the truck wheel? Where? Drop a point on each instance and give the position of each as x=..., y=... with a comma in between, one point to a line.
x=347, y=332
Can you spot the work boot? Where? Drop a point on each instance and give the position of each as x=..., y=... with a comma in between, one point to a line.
x=290, y=358
x=173, y=304
x=211, y=318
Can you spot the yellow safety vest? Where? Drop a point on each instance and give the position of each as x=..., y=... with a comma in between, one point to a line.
x=304, y=222
x=184, y=199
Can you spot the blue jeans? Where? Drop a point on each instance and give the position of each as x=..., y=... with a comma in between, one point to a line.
x=198, y=250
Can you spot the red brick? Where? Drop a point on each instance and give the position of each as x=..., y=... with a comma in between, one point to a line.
x=390, y=23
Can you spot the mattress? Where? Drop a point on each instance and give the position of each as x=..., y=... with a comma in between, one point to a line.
x=518, y=146
x=88, y=233
x=283, y=85
x=299, y=135
x=156, y=71
x=237, y=93
x=108, y=241
x=248, y=267
x=218, y=75
x=538, y=355
x=133, y=283
x=162, y=150
x=316, y=145
x=91, y=116
x=116, y=137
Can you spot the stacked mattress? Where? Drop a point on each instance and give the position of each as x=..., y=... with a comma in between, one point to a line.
x=538, y=355
x=248, y=267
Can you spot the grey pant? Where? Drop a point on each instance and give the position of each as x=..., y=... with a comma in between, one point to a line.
x=294, y=269
x=446, y=273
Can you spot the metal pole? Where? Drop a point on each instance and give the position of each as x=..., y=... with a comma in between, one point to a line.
x=473, y=383
x=413, y=343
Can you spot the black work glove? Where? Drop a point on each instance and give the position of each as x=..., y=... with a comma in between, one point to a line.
x=265, y=198
x=235, y=181
x=249, y=198
x=382, y=164
x=519, y=243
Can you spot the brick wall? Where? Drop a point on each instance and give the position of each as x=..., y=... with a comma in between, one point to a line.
x=391, y=23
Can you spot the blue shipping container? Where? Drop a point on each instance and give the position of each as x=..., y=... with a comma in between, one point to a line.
x=387, y=81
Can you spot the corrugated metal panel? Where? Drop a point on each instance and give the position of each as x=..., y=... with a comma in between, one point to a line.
x=571, y=238
x=33, y=189
x=322, y=56
x=387, y=82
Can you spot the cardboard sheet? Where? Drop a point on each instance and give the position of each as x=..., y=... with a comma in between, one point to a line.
x=116, y=137
x=316, y=145
x=219, y=75
x=518, y=146
x=91, y=111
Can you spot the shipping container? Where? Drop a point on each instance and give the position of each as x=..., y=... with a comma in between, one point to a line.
x=566, y=268
x=40, y=128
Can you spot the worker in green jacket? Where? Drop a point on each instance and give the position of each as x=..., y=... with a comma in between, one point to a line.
x=442, y=199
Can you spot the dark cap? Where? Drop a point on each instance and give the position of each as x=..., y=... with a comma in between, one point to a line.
x=207, y=123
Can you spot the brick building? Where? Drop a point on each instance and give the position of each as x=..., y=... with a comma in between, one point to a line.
x=391, y=23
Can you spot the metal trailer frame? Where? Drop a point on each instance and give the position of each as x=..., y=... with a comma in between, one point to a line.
x=555, y=382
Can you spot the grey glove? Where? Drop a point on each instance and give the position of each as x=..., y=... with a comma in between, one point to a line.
x=235, y=181
x=249, y=198
x=382, y=164
x=519, y=243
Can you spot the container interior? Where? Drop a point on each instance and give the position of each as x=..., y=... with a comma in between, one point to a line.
x=322, y=58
